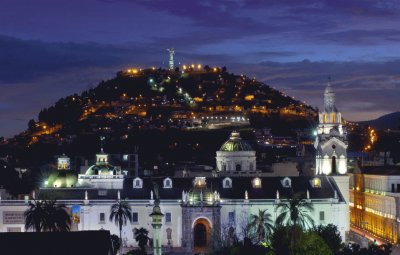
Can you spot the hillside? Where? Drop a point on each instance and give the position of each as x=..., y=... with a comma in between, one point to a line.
x=388, y=121
x=161, y=111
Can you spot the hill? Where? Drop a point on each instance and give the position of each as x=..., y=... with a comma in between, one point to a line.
x=166, y=113
x=388, y=121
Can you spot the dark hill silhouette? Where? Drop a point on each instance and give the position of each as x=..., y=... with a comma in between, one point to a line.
x=388, y=121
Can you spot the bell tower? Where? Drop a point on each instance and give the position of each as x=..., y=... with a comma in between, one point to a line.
x=331, y=141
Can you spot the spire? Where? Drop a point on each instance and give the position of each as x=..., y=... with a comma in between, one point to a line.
x=329, y=98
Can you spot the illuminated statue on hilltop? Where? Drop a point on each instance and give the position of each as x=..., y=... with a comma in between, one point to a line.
x=331, y=142
x=171, y=58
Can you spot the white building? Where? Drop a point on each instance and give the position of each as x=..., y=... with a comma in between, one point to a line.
x=331, y=142
x=236, y=156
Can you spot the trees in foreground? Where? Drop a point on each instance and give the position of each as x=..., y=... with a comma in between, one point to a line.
x=48, y=216
x=120, y=213
x=141, y=237
x=294, y=233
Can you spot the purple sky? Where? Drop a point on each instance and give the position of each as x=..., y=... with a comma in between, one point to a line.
x=52, y=48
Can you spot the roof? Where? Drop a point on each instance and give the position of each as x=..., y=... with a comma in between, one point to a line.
x=269, y=186
x=235, y=143
x=61, y=243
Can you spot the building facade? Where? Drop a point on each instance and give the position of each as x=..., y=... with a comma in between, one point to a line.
x=374, y=201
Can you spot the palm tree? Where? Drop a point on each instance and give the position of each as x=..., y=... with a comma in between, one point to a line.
x=261, y=224
x=141, y=237
x=295, y=214
x=120, y=213
x=58, y=218
x=35, y=216
x=47, y=216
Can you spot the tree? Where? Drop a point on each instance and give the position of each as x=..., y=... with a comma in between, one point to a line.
x=57, y=217
x=31, y=125
x=141, y=237
x=261, y=225
x=312, y=244
x=47, y=216
x=331, y=236
x=35, y=216
x=116, y=244
x=294, y=213
x=120, y=213
x=280, y=240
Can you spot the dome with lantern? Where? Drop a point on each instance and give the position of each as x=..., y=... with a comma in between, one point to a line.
x=200, y=194
x=64, y=177
x=236, y=156
x=235, y=143
x=102, y=166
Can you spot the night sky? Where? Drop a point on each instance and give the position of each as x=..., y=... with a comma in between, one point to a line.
x=52, y=48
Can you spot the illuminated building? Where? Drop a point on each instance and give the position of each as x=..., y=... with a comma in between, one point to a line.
x=236, y=156
x=374, y=199
x=330, y=141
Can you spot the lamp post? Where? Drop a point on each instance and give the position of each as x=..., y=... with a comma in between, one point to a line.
x=156, y=223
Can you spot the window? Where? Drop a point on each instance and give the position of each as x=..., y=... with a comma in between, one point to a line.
x=321, y=215
x=199, y=182
x=167, y=183
x=324, y=116
x=316, y=183
x=231, y=217
x=333, y=118
x=286, y=182
x=125, y=157
x=238, y=167
x=135, y=217
x=168, y=217
x=251, y=167
x=227, y=183
x=257, y=183
x=102, y=218
x=137, y=183
x=102, y=192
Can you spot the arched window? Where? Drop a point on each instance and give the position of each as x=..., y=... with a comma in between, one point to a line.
x=333, y=117
x=227, y=183
x=137, y=183
x=286, y=182
x=167, y=183
x=238, y=167
x=324, y=118
x=257, y=183
x=316, y=182
x=251, y=167
x=334, y=167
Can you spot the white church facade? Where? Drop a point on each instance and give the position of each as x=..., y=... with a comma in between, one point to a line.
x=199, y=210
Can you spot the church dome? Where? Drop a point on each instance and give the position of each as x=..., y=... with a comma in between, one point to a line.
x=235, y=143
x=62, y=179
x=100, y=169
x=200, y=194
